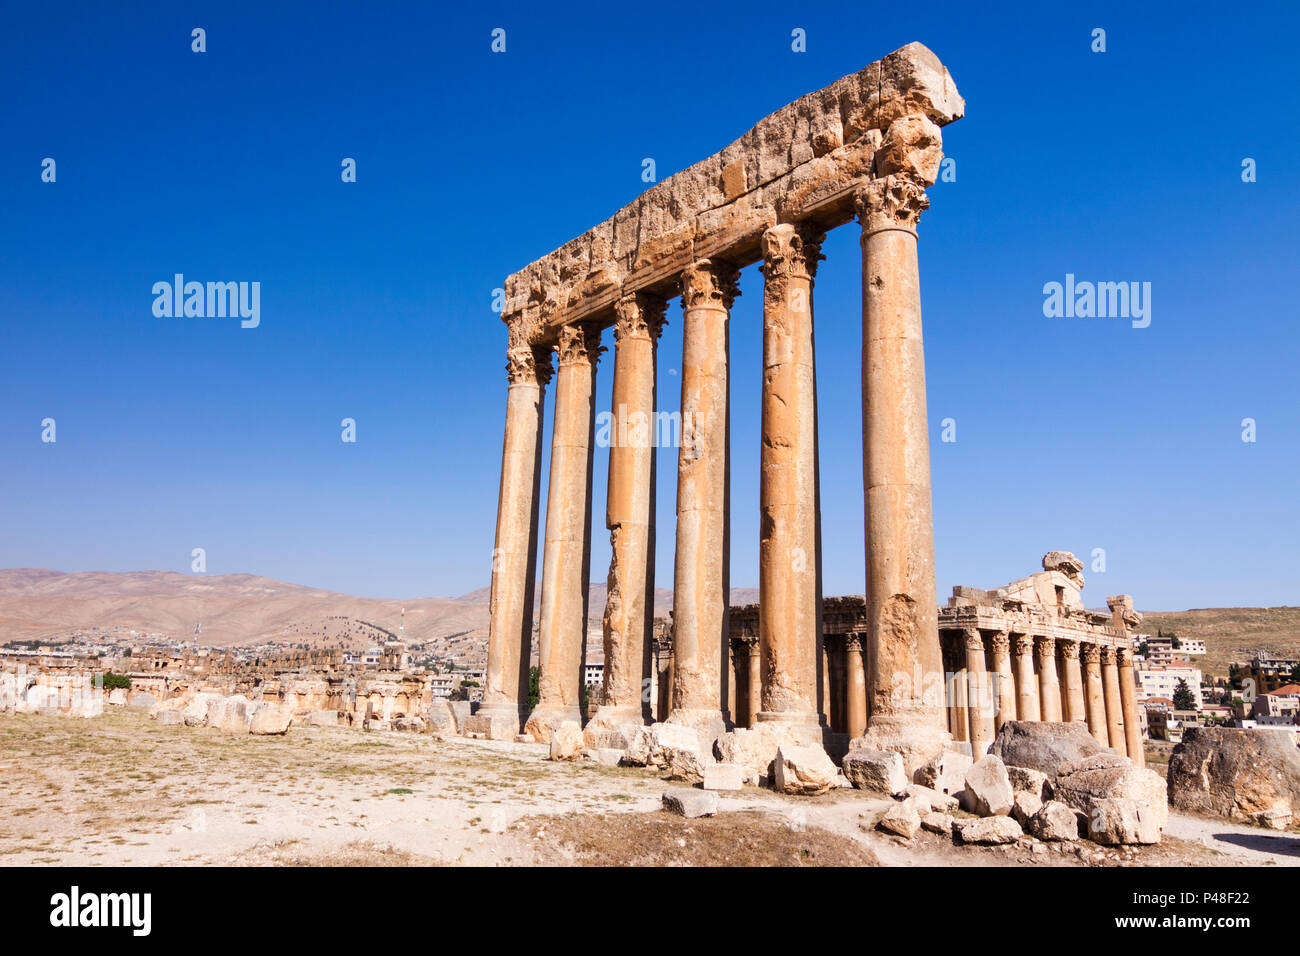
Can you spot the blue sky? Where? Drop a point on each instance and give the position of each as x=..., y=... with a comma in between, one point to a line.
x=376, y=295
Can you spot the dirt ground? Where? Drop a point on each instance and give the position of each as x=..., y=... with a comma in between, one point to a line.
x=123, y=789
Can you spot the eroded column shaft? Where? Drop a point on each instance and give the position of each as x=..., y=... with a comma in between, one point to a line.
x=979, y=701
x=700, y=571
x=567, y=550
x=514, y=555
x=1073, y=681
x=789, y=612
x=1049, y=684
x=1094, y=693
x=1027, y=700
x=1128, y=702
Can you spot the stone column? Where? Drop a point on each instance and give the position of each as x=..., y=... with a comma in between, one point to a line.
x=1094, y=693
x=1027, y=706
x=1114, y=706
x=1005, y=683
x=1074, y=707
x=979, y=702
x=789, y=611
x=755, y=663
x=701, y=569
x=855, y=687
x=904, y=661
x=630, y=514
x=1049, y=685
x=1128, y=701
x=514, y=555
x=567, y=551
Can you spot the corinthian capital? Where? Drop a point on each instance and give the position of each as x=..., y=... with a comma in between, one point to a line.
x=640, y=315
x=710, y=282
x=1001, y=643
x=972, y=639
x=1091, y=654
x=791, y=251
x=1124, y=656
x=1069, y=649
x=528, y=365
x=579, y=344
x=892, y=202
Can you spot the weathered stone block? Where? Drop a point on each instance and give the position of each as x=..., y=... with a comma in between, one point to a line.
x=901, y=819
x=691, y=803
x=803, y=770
x=1054, y=821
x=989, y=830
x=988, y=788
x=566, y=742
x=879, y=771
x=1043, y=745
x=723, y=776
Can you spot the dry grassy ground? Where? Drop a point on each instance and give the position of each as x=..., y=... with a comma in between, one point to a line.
x=123, y=789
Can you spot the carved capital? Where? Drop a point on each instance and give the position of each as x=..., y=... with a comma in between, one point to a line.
x=1091, y=654
x=1024, y=644
x=527, y=365
x=853, y=643
x=1069, y=649
x=972, y=638
x=1001, y=643
x=791, y=251
x=579, y=344
x=640, y=315
x=894, y=202
x=710, y=283
x=1107, y=655
x=1045, y=648
x=1124, y=656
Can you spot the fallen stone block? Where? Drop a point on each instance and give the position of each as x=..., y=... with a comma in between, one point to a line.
x=1054, y=821
x=1082, y=782
x=691, y=803
x=1028, y=780
x=877, y=771
x=270, y=718
x=937, y=822
x=989, y=830
x=1026, y=804
x=988, y=788
x=1278, y=819
x=1116, y=821
x=566, y=741
x=872, y=813
x=322, y=718
x=1235, y=773
x=1043, y=745
x=141, y=701
x=926, y=800
x=230, y=715
x=803, y=770
x=524, y=739
x=946, y=773
x=901, y=819
x=605, y=756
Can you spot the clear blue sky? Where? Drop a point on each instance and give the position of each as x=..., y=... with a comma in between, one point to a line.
x=376, y=296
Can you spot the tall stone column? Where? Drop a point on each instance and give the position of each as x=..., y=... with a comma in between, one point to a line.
x=1128, y=700
x=1049, y=685
x=1094, y=693
x=977, y=694
x=1005, y=683
x=904, y=661
x=514, y=555
x=1074, y=706
x=1027, y=705
x=755, y=662
x=789, y=611
x=630, y=513
x=566, y=558
x=1114, y=706
x=855, y=687
x=701, y=585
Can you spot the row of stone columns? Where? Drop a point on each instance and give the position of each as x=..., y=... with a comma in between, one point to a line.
x=902, y=671
x=1023, y=683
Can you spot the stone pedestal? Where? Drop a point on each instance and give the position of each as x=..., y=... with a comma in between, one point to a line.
x=904, y=663
x=700, y=574
x=789, y=613
x=1049, y=684
x=630, y=508
x=514, y=555
x=567, y=553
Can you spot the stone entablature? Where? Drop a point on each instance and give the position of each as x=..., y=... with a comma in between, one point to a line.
x=802, y=163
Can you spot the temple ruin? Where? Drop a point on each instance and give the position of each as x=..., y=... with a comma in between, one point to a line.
x=864, y=148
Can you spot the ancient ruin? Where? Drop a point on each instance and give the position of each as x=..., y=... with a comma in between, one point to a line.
x=866, y=147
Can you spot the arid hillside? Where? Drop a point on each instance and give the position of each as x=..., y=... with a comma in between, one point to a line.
x=1232, y=633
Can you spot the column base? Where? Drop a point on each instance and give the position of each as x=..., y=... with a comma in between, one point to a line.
x=545, y=720
x=609, y=726
x=709, y=724
x=495, y=722
x=803, y=728
x=917, y=735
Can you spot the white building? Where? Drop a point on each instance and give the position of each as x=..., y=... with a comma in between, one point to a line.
x=1160, y=680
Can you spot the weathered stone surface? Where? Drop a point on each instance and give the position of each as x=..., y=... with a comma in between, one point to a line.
x=322, y=718
x=691, y=803
x=723, y=776
x=872, y=813
x=916, y=738
x=754, y=749
x=484, y=726
x=1278, y=819
x=639, y=747
x=1044, y=745
x=566, y=741
x=798, y=161
x=524, y=739
x=230, y=714
x=989, y=830
x=117, y=696
x=937, y=822
x=1054, y=821
x=1028, y=780
x=196, y=710
x=1234, y=773
x=945, y=773
x=901, y=819
x=441, y=718
x=685, y=763
x=988, y=789
x=1025, y=806
x=926, y=800
x=803, y=770
x=1116, y=821
x=270, y=718
x=1081, y=783
x=141, y=701
x=605, y=756
x=880, y=771
x=166, y=717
